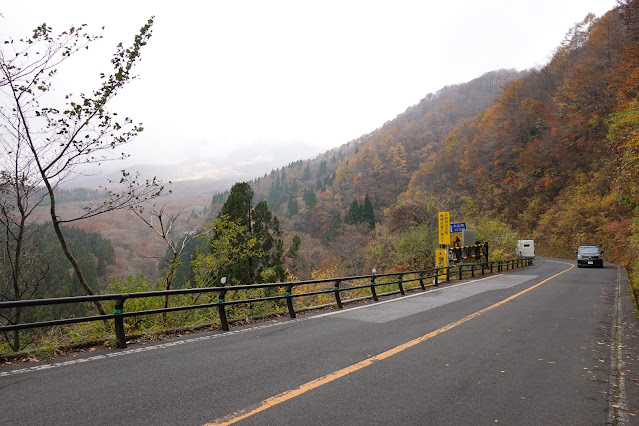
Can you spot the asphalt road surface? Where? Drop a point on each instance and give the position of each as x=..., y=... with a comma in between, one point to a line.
x=547, y=344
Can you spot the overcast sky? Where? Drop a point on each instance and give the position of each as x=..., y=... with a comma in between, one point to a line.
x=292, y=79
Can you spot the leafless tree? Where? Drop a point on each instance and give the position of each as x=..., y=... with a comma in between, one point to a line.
x=52, y=144
x=163, y=224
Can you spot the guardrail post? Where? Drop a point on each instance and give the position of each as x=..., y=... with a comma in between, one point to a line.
x=373, y=291
x=421, y=280
x=221, y=310
x=483, y=268
x=436, y=277
x=461, y=267
x=338, y=299
x=472, y=270
x=448, y=274
x=119, y=323
x=400, y=285
x=289, y=301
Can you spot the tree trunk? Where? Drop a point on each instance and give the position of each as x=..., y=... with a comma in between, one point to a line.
x=169, y=280
x=15, y=271
x=67, y=253
x=16, y=334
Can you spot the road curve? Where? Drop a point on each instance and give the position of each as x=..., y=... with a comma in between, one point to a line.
x=539, y=345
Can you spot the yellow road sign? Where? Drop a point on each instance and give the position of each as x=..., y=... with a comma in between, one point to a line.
x=444, y=228
x=456, y=239
x=441, y=258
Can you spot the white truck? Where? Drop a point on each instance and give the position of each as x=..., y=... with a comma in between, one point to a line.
x=525, y=249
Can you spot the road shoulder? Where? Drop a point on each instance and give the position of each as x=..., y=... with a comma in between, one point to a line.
x=627, y=354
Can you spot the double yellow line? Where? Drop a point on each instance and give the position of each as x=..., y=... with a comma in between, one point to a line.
x=313, y=384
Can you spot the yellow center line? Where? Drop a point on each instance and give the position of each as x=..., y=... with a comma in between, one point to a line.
x=313, y=384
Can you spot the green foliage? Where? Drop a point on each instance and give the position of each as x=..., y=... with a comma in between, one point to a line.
x=219, y=198
x=260, y=236
x=277, y=193
x=135, y=284
x=310, y=199
x=633, y=262
x=411, y=249
x=53, y=278
x=154, y=323
x=92, y=250
x=582, y=214
x=293, y=250
x=501, y=239
x=238, y=206
x=293, y=206
x=623, y=132
x=230, y=246
x=354, y=213
x=368, y=215
x=323, y=169
x=361, y=213
x=306, y=175
x=266, y=230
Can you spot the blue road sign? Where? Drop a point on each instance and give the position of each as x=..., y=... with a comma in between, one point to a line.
x=457, y=227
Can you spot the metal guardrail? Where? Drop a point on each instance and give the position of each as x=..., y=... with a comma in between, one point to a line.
x=397, y=278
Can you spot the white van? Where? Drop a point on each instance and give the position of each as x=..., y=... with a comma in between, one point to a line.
x=525, y=248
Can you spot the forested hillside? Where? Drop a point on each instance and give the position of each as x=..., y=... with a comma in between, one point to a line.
x=333, y=201
x=549, y=154
x=555, y=157
x=48, y=273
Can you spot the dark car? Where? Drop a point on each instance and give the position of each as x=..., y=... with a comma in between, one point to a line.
x=589, y=256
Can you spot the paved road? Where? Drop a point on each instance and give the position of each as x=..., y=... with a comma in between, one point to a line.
x=531, y=346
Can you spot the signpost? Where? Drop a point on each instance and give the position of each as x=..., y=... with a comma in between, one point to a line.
x=456, y=239
x=457, y=227
x=456, y=243
x=441, y=258
x=444, y=228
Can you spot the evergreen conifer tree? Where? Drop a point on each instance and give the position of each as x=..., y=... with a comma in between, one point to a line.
x=262, y=225
x=368, y=215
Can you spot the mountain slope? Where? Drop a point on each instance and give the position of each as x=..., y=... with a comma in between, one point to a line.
x=379, y=164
